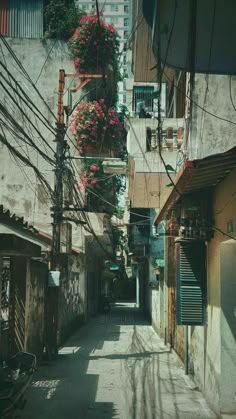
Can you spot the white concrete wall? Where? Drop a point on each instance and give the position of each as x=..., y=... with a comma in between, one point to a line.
x=212, y=132
x=20, y=189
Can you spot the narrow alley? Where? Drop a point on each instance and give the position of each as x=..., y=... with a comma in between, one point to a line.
x=115, y=367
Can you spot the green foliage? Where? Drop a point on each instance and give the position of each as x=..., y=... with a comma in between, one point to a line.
x=101, y=189
x=169, y=168
x=61, y=17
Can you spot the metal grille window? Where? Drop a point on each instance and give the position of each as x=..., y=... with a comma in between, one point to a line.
x=126, y=21
x=142, y=98
x=191, y=283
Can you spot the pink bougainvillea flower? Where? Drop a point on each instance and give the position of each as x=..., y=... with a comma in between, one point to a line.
x=93, y=34
x=92, y=123
x=94, y=168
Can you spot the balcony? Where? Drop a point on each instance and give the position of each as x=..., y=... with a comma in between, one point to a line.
x=170, y=138
x=148, y=179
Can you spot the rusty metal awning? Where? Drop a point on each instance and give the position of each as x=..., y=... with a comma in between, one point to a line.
x=198, y=175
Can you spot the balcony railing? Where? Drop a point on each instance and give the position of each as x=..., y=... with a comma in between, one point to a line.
x=170, y=138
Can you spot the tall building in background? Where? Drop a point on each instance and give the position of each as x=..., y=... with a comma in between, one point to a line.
x=118, y=14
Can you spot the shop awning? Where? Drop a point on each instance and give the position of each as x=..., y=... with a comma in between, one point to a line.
x=198, y=175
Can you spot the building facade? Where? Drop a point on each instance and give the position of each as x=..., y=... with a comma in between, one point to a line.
x=29, y=111
x=199, y=209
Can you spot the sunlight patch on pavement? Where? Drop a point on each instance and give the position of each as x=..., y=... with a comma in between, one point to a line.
x=68, y=350
x=51, y=385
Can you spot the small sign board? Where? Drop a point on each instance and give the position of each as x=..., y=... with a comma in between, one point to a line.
x=53, y=278
x=114, y=267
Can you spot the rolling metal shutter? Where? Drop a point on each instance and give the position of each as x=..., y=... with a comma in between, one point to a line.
x=191, y=283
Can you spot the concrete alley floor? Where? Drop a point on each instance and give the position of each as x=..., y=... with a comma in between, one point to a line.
x=115, y=367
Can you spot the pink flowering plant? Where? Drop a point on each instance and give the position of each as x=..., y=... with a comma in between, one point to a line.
x=94, y=127
x=99, y=187
x=94, y=45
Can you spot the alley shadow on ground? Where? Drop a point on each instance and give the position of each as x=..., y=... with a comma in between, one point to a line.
x=115, y=367
x=64, y=388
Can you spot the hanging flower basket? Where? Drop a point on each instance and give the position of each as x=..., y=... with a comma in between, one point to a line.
x=100, y=189
x=96, y=127
x=94, y=45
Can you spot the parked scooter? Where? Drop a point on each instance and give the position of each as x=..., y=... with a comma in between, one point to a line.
x=15, y=376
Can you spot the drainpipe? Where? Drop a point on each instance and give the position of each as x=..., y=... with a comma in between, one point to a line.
x=186, y=357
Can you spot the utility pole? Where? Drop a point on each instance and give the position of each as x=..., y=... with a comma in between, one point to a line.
x=60, y=160
x=58, y=185
x=57, y=216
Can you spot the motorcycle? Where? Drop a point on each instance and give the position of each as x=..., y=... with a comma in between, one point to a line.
x=15, y=376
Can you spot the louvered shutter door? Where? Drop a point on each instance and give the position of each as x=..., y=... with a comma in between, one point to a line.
x=191, y=283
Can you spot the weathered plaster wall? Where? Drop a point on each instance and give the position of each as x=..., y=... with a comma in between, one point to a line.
x=209, y=132
x=213, y=347
x=20, y=190
x=72, y=296
x=228, y=327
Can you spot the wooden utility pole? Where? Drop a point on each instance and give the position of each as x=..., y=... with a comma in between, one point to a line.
x=57, y=216
x=58, y=185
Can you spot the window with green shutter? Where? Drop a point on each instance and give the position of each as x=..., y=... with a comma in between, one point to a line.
x=191, y=286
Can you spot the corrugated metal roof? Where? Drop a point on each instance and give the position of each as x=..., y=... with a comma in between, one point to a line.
x=7, y=217
x=197, y=175
x=4, y=17
x=26, y=18
x=21, y=18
